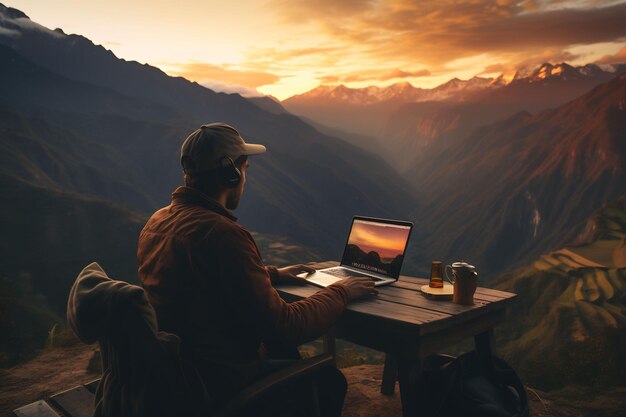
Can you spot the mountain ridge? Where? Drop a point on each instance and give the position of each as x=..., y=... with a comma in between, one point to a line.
x=534, y=179
x=406, y=125
x=406, y=92
x=402, y=91
x=142, y=136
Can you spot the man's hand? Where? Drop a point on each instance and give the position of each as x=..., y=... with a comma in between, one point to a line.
x=357, y=287
x=288, y=275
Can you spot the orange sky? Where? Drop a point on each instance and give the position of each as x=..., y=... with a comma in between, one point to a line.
x=387, y=240
x=286, y=47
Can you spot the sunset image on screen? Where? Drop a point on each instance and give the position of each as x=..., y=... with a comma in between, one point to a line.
x=376, y=247
x=386, y=239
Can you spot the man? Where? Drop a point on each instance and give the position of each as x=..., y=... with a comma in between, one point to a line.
x=204, y=276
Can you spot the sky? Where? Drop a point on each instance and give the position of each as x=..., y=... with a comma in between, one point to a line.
x=388, y=240
x=283, y=48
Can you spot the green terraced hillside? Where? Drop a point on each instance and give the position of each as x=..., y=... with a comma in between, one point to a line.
x=569, y=326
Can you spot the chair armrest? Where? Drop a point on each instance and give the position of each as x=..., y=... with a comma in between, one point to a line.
x=299, y=370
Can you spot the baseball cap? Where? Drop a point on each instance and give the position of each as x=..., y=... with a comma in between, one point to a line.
x=206, y=146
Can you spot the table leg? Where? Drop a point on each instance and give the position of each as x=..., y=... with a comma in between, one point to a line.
x=408, y=373
x=390, y=375
x=485, y=347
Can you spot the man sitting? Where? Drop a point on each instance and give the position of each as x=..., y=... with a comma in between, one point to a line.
x=204, y=275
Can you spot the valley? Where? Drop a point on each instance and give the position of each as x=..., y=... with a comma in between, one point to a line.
x=522, y=175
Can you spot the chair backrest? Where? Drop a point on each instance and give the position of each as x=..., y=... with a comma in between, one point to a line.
x=143, y=374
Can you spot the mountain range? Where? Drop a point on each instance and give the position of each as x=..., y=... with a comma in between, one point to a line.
x=355, y=256
x=90, y=147
x=401, y=92
x=524, y=185
x=454, y=89
x=49, y=235
x=505, y=173
x=405, y=120
x=119, y=127
x=82, y=120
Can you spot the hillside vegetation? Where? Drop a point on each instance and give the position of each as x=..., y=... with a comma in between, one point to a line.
x=569, y=327
x=48, y=237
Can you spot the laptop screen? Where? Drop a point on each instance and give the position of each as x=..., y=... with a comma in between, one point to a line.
x=377, y=245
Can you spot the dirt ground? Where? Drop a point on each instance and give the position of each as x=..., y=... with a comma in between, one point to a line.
x=52, y=371
x=61, y=368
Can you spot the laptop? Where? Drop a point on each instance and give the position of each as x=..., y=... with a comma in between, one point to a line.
x=375, y=249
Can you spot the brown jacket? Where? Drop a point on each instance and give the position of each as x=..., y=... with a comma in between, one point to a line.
x=204, y=275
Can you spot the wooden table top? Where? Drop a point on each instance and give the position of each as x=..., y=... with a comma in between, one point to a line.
x=402, y=304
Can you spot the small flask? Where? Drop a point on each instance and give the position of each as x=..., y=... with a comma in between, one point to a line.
x=436, y=278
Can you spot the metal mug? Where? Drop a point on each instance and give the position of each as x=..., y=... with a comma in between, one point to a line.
x=464, y=278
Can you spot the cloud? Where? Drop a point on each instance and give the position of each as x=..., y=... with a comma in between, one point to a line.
x=295, y=52
x=22, y=24
x=618, y=58
x=222, y=87
x=303, y=11
x=378, y=75
x=495, y=68
x=435, y=33
x=10, y=33
x=224, y=74
x=530, y=63
x=273, y=59
x=404, y=74
x=330, y=79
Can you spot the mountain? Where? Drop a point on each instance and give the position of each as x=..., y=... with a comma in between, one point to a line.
x=77, y=58
x=45, y=150
x=400, y=92
x=118, y=127
x=523, y=186
x=364, y=110
x=367, y=143
x=268, y=103
x=355, y=256
x=548, y=86
x=459, y=90
x=415, y=126
x=407, y=120
x=569, y=326
x=47, y=237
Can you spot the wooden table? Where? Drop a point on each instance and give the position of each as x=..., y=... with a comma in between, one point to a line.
x=407, y=326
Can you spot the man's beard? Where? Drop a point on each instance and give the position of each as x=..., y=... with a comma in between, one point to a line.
x=232, y=200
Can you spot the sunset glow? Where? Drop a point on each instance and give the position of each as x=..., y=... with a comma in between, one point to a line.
x=284, y=48
x=386, y=239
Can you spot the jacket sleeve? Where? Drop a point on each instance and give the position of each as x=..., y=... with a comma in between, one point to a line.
x=249, y=287
x=273, y=272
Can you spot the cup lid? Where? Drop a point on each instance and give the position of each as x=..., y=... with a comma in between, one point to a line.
x=462, y=264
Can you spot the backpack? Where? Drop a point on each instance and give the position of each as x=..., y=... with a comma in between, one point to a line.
x=470, y=386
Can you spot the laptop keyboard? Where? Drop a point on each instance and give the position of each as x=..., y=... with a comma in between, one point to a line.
x=344, y=273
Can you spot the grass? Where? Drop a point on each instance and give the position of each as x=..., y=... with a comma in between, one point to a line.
x=600, y=251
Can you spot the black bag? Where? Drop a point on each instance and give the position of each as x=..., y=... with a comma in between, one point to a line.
x=470, y=386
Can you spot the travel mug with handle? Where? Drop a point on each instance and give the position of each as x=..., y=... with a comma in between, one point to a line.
x=464, y=278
